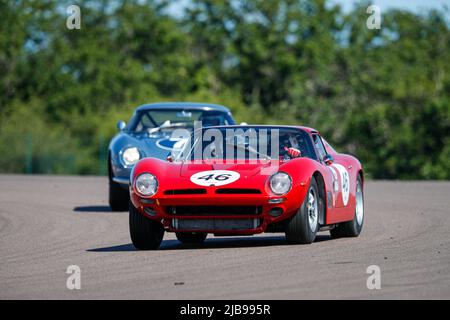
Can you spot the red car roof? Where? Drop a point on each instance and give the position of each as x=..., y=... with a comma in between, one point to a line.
x=307, y=129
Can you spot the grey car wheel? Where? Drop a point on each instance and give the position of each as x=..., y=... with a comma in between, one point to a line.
x=191, y=237
x=119, y=197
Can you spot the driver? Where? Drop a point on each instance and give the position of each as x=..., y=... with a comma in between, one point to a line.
x=294, y=150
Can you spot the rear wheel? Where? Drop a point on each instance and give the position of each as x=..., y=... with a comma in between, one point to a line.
x=352, y=228
x=303, y=227
x=191, y=237
x=146, y=234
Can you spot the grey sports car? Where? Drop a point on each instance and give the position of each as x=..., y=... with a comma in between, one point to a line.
x=148, y=134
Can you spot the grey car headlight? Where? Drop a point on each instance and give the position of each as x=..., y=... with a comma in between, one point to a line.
x=280, y=183
x=146, y=184
x=130, y=156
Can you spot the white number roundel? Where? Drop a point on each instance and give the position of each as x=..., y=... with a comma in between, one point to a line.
x=345, y=182
x=214, y=178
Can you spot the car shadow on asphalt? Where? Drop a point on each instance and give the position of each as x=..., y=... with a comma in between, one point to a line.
x=213, y=243
x=92, y=209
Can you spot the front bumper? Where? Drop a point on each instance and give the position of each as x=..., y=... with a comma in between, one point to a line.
x=219, y=214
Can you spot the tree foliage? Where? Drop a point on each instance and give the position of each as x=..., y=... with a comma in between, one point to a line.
x=383, y=95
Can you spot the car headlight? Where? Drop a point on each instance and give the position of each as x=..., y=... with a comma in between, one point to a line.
x=146, y=184
x=280, y=183
x=130, y=156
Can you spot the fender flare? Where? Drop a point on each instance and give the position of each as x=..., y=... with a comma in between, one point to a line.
x=323, y=196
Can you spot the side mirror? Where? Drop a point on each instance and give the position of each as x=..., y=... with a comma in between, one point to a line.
x=328, y=159
x=121, y=125
x=169, y=158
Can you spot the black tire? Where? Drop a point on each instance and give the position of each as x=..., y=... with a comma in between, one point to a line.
x=191, y=237
x=146, y=234
x=298, y=230
x=118, y=197
x=351, y=228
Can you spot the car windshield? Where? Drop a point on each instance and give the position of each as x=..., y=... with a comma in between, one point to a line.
x=163, y=120
x=247, y=142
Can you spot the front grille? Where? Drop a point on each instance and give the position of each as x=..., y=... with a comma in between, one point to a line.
x=237, y=191
x=214, y=210
x=215, y=224
x=184, y=191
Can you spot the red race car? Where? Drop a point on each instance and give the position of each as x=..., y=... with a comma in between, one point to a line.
x=243, y=180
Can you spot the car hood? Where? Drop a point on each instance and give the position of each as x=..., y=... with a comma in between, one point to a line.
x=245, y=169
x=158, y=146
x=181, y=175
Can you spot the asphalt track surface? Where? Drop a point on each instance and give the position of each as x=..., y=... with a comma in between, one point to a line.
x=48, y=223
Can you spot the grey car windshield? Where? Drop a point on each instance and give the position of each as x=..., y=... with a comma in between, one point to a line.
x=148, y=120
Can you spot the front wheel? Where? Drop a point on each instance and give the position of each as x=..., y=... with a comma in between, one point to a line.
x=146, y=234
x=191, y=237
x=352, y=228
x=118, y=197
x=303, y=227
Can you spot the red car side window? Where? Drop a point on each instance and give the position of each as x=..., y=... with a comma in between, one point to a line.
x=320, y=148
